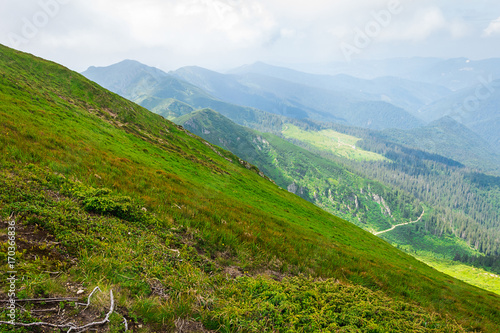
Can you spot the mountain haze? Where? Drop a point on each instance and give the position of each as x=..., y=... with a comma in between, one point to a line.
x=300, y=100
x=454, y=73
x=225, y=93
x=449, y=138
x=403, y=93
x=476, y=107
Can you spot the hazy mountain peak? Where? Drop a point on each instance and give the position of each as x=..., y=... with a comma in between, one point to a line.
x=194, y=70
x=127, y=63
x=247, y=67
x=120, y=76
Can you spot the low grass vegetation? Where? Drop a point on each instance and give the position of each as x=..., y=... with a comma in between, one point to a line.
x=438, y=252
x=162, y=271
x=473, y=275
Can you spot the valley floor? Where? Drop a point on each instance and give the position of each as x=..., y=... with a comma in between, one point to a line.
x=475, y=276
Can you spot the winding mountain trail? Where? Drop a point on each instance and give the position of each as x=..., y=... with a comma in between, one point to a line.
x=399, y=225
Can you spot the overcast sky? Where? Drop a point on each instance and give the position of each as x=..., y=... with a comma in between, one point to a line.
x=221, y=34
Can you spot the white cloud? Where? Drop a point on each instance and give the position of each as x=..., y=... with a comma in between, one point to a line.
x=221, y=33
x=459, y=29
x=420, y=25
x=194, y=24
x=241, y=22
x=493, y=28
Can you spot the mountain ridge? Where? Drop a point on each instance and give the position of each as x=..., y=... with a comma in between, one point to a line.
x=445, y=72
x=376, y=88
x=158, y=95
x=298, y=99
x=449, y=138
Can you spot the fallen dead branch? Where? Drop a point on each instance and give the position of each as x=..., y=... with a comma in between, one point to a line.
x=71, y=326
x=45, y=300
x=88, y=298
x=102, y=322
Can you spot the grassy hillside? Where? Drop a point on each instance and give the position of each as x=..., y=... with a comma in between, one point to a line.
x=367, y=204
x=330, y=185
x=339, y=144
x=104, y=192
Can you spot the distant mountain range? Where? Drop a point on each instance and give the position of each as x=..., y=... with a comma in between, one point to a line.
x=202, y=88
x=409, y=95
x=264, y=97
x=476, y=104
x=477, y=107
x=455, y=74
x=449, y=138
x=168, y=95
x=293, y=96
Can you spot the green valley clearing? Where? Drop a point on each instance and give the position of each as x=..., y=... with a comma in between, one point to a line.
x=342, y=145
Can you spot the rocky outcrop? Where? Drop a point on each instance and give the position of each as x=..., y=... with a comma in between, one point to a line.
x=383, y=206
x=292, y=188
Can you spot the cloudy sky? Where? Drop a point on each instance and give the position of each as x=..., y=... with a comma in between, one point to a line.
x=221, y=34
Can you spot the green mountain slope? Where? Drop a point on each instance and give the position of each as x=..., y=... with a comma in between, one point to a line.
x=367, y=204
x=137, y=205
x=339, y=188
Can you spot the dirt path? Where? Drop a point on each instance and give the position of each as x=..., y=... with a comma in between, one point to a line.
x=399, y=225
